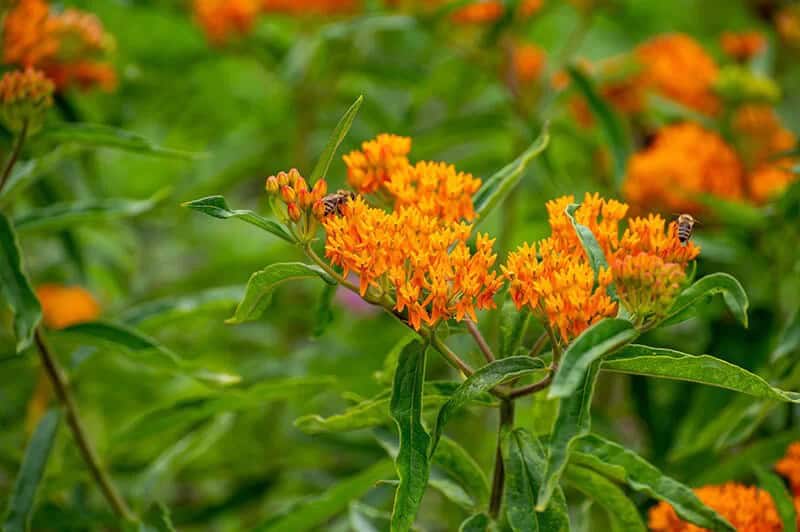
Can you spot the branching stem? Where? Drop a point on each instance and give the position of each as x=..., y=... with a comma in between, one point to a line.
x=472, y=327
x=498, y=479
x=15, y=151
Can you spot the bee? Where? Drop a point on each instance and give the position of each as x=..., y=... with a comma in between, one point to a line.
x=685, y=225
x=332, y=203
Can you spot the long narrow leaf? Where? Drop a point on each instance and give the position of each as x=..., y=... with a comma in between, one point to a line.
x=217, y=207
x=717, y=283
x=772, y=484
x=15, y=290
x=102, y=136
x=335, y=140
x=622, y=513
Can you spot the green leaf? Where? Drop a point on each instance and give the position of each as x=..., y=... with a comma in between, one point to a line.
x=573, y=421
x=481, y=381
x=262, y=283
x=102, y=136
x=412, y=460
x=323, y=314
x=789, y=339
x=63, y=215
x=599, y=340
x=624, y=465
x=26, y=173
x=319, y=510
x=15, y=290
x=475, y=523
x=166, y=309
x=622, y=513
x=703, y=369
x=31, y=472
x=498, y=186
x=147, y=350
x=611, y=123
x=335, y=140
x=716, y=283
x=591, y=247
x=386, y=375
x=739, y=463
x=457, y=463
x=772, y=484
x=524, y=464
x=217, y=207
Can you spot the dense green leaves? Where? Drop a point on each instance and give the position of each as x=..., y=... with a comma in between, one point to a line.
x=102, y=136
x=599, y=340
x=703, y=369
x=335, y=140
x=21, y=502
x=61, y=215
x=261, y=284
x=624, y=465
x=412, y=460
x=15, y=289
x=717, y=283
x=217, y=207
x=609, y=120
x=314, y=513
x=500, y=185
x=772, y=484
x=573, y=421
x=481, y=381
x=622, y=513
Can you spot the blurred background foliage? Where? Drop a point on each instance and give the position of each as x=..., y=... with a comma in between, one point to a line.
x=266, y=101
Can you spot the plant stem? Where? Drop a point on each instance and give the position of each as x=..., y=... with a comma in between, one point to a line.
x=480, y=340
x=498, y=480
x=330, y=271
x=539, y=344
x=532, y=388
x=448, y=353
x=64, y=393
x=15, y=151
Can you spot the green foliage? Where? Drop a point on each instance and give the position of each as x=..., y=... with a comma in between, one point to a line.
x=217, y=207
x=622, y=513
x=772, y=484
x=102, y=136
x=15, y=288
x=717, y=283
x=339, y=133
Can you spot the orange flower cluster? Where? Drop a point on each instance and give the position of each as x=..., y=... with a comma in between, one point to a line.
x=527, y=62
x=761, y=136
x=742, y=46
x=293, y=190
x=789, y=467
x=649, y=267
x=558, y=284
x=747, y=508
x=25, y=95
x=488, y=11
x=372, y=167
x=420, y=260
x=435, y=189
x=63, y=306
x=310, y=7
x=684, y=160
x=69, y=47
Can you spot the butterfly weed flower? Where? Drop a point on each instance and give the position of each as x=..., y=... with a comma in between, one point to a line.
x=298, y=199
x=743, y=46
x=222, y=20
x=369, y=168
x=789, y=467
x=747, y=508
x=527, y=62
x=25, y=96
x=63, y=306
x=489, y=11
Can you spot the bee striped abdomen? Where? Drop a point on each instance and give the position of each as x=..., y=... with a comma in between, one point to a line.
x=685, y=226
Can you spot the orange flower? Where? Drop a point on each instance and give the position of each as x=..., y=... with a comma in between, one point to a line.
x=527, y=60
x=677, y=67
x=63, y=306
x=435, y=189
x=601, y=216
x=370, y=168
x=683, y=160
x=310, y=7
x=787, y=22
x=68, y=47
x=25, y=96
x=789, y=467
x=768, y=181
x=222, y=19
x=421, y=262
x=488, y=11
x=742, y=46
x=747, y=508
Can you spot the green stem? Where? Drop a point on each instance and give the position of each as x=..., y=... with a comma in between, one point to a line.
x=480, y=340
x=15, y=151
x=64, y=393
x=330, y=271
x=498, y=480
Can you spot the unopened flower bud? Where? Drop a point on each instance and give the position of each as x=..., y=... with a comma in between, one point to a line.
x=294, y=211
x=288, y=194
x=319, y=190
x=283, y=179
x=300, y=184
x=24, y=98
x=294, y=175
x=272, y=185
x=303, y=197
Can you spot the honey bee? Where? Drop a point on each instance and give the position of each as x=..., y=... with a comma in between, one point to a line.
x=685, y=225
x=332, y=203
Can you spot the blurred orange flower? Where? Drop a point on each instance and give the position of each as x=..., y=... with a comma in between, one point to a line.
x=742, y=46
x=420, y=261
x=488, y=11
x=683, y=160
x=69, y=47
x=310, y=7
x=747, y=508
x=527, y=61
x=63, y=306
x=25, y=95
x=222, y=19
x=789, y=467
x=371, y=167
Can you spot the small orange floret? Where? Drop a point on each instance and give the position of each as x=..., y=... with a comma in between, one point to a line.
x=488, y=11
x=25, y=96
x=676, y=66
x=684, y=160
x=63, y=306
x=743, y=46
x=789, y=467
x=528, y=60
x=371, y=167
x=747, y=508
x=223, y=19
x=423, y=262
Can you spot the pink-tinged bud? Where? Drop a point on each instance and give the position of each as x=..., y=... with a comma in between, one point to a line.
x=319, y=190
x=283, y=179
x=294, y=211
x=272, y=185
x=303, y=197
x=287, y=194
x=294, y=175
